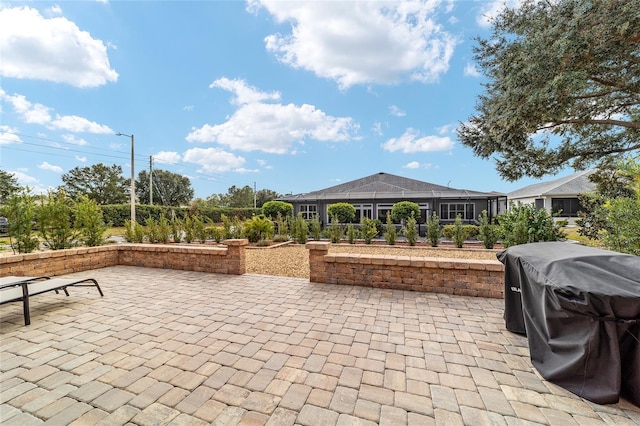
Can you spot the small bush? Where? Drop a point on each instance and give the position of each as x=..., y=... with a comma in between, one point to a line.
x=273, y=209
x=403, y=210
x=410, y=231
x=54, y=220
x=89, y=222
x=433, y=230
x=315, y=228
x=489, y=233
x=334, y=231
x=345, y=212
x=258, y=228
x=391, y=234
x=459, y=234
x=300, y=229
x=368, y=229
x=352, y=234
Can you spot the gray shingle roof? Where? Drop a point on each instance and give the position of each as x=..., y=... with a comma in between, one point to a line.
x=382, y=186
x=573, y=184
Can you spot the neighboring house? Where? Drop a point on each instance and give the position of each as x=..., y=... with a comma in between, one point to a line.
x=373, y=196
x=560, y=195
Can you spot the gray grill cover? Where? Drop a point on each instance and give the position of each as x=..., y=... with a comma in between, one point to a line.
x=580, y=309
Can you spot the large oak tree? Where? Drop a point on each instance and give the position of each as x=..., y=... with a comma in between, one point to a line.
x=103, y=184
x=563, y=86
x=169, y=189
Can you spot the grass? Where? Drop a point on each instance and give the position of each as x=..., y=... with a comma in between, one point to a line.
x=572, y=234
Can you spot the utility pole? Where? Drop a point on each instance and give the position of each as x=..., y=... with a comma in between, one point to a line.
x=133, y=182
x=254, y=195
x=150, y=180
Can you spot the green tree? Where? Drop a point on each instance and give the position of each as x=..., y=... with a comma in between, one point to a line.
x=272, y=209
x=103, y=184
x=433, y=230
x=563, y=86
x=54, y=220
x=89, y=222
x=265, y=195
x=391, y=234
x=237, y=197
x=21, y=211
x=403, y=210
x=488, y=231
x=169, y=189
x=344, y=212
x=410, y=231
x=8, y=186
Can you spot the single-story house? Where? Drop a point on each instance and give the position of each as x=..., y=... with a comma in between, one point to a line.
x=559, y=195
x=373, y=196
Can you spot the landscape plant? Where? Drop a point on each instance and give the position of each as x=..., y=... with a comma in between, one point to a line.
x=315, y=228
x=282, y=227
x=300, y=229
x=433, y=229
x=21, y=212
x=523, y=223
x=177, y=228
x=258, y=228
x=403, y=210
x=391, y=233
x=54, y=220
x=345, y=212
x=274, y=209
x=164, y=230
x=189, y=230
x=489, y=233
x=200, y=230
x=368, y=229
x=352, y=234
x=459, y=235
x=410, y=231
x=89, y=222
x=334, y=231
x=151, y=230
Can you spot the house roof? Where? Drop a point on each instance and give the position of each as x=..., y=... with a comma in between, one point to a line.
x=382, y=186
x=569, y=185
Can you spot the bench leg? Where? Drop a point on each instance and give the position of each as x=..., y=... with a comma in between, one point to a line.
x=25, y=304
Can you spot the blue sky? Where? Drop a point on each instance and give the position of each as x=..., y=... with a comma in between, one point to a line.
x=294, y=96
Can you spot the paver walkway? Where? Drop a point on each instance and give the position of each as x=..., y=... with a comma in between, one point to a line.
x=188, y=348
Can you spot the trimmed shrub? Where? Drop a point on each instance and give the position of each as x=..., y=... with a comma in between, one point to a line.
x=345, y=212
x=403, y=210
x=410, y=231
x=489, y=233
x=272, y=209
x=391, y=234
x=433, y=230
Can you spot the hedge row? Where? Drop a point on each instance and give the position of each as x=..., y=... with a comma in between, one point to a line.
x=117, y=214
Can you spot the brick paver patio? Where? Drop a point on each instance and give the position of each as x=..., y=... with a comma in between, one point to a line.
x=188, y=348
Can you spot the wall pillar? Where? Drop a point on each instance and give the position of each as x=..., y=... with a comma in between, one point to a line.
x=317, y=265
x=237, y=256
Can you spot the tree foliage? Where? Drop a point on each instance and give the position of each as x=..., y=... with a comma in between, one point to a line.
x=103, y=184
x=272, y=209
x=169, y=189
x=8, y=186
x=344, y=212
x=403, y=210
x=563, y=86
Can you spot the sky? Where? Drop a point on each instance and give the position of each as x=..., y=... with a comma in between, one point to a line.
x=290, y=96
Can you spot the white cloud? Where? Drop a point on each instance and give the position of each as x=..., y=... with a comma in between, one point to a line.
x=69, y=138
x=41, y=114
x=411, y=142
x=167, y=157
x=213, y=160
x=243, y=170
x=29, y=112
x=245, y=94
x=417, y=165
x=73, y=123
x=272, y=128
x=23, y=178
x=8, y=135
x=55, y=10
x=55, y=49
x=357, y=42
x=394, y=110
x=187, y=108
x=81, y=159
x=377, y=128
x=50, y=167
x=491, y=9
x=470, y=70
x=447, y=128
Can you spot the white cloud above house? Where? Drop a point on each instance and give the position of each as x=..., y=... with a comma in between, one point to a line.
x=51, y=49
x=396, y=111
x=167, y=157
x=411, y=142
x=213, y=160
x=271, y=127
x=361, y=42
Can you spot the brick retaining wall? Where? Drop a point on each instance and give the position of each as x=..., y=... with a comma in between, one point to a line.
x=463, y=277
x=221, y=260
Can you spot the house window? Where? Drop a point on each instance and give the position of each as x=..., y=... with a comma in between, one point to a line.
x=450, y=211
x=568, y=207
x=382, y=210
x=363, y=210
x=309, y=211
